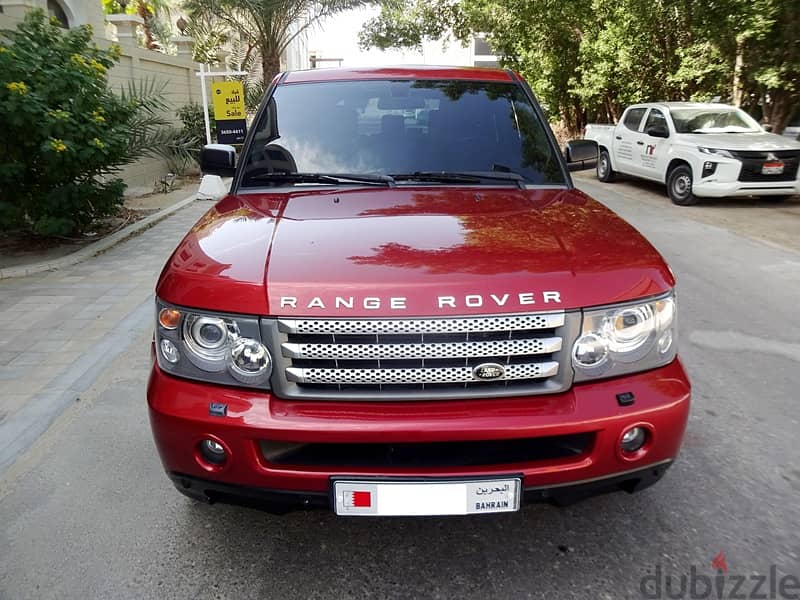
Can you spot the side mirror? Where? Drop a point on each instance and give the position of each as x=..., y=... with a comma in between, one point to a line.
x=767, y=127
x=658, y=131
x=218, y=159
x=581, y=154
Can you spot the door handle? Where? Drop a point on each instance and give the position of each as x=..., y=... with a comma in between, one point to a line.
x=640, y=143
x=619, y=137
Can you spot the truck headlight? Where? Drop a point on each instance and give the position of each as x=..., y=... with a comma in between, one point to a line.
x=625, y=339
x=715, y=151
x=224, y=349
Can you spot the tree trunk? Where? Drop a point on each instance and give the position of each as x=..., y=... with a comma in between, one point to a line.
x=737, y=72
x=144, y=13
x=270, y=65
x=611, y=107
x=780, y=109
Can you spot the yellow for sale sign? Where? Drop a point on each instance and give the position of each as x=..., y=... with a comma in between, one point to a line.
x=229, y=112
x=228, y=99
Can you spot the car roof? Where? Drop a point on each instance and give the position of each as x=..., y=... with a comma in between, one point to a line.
x=404, y=72
x=669, y=105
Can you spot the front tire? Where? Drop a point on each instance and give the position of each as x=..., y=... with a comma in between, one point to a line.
x=679, y=186
x=604, y=171
x=774, y=199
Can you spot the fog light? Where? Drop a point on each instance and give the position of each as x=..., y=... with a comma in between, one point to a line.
x=169, y=351
x=633, y=439
x=709, y=168
x=213, y=452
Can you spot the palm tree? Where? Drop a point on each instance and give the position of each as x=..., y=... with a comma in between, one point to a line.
x=269, y=25
x=148, y=10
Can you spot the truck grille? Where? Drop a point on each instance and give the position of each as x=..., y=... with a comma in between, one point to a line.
x=752, y=161
x=425, y=358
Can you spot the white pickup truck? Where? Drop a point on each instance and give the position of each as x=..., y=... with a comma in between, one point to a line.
x=698, y=150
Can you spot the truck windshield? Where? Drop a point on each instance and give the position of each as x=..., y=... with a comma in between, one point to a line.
x=713, y=120
x=401, y=128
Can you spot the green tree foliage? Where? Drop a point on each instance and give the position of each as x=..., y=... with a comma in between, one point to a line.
x=268, y=26
x=587, y=59
x=64, y=132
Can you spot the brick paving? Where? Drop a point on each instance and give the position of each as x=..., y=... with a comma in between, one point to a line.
x=49, y=322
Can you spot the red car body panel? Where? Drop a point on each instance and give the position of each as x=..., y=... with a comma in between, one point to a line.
x=492, y=249
x=179, y=418
x=251, y=250
x=420, y=72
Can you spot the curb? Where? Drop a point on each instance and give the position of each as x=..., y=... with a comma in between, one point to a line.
x=96, y=247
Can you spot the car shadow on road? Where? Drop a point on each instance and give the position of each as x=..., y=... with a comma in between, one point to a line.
x=588, y=546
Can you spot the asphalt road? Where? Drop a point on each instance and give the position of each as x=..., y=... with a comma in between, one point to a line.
x=88, y=512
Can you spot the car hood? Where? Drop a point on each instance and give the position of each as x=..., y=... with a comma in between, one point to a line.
x=741, y=141
x=411, y=252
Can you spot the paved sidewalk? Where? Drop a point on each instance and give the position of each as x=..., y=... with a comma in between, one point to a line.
x=58, y=328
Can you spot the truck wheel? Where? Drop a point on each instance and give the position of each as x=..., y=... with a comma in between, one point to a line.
x=679, y=186
x=774, y=198
x=604, y=171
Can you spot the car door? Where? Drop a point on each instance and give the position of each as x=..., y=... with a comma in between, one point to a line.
x=653, y=151
x=626, y=136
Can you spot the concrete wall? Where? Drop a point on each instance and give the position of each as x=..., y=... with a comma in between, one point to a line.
x=178, y=72
x=78, y=12
x=182, y=87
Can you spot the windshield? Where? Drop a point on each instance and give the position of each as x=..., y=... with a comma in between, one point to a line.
x=713, y=120
x=401, y=127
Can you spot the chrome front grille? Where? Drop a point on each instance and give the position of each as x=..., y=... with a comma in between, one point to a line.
x=420, y=358
x=422, y=350
x=414, y=376
x=423, y=326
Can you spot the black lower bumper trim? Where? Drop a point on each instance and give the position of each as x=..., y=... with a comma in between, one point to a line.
x=283, y=501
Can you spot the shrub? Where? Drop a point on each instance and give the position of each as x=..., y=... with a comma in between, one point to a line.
x=65, y=133
x=191, y=116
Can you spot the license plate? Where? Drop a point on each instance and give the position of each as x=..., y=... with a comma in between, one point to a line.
x=419, y=498
x=772, y=168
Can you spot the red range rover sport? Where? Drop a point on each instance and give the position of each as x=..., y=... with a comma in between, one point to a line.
x=405, y=307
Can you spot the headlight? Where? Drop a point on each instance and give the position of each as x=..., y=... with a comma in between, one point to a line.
x=625, y=339
x=715, y=151
x=219, y=348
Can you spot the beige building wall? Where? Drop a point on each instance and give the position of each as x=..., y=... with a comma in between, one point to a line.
x=182, y=86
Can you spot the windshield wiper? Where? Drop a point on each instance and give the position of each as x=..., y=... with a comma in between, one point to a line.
x=324, y=178
x=462, y=177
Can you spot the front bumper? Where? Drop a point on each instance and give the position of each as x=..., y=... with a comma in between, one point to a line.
x=180, y=419
x=714, y=188
x=282, y=501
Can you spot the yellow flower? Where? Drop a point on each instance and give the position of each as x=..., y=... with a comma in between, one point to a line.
x=3, y=49
x=57, y=145
x=99, y=67
x=58, y=114
x=97, y=143
x=78, y=60
x=18, y=86
x=98, y=116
